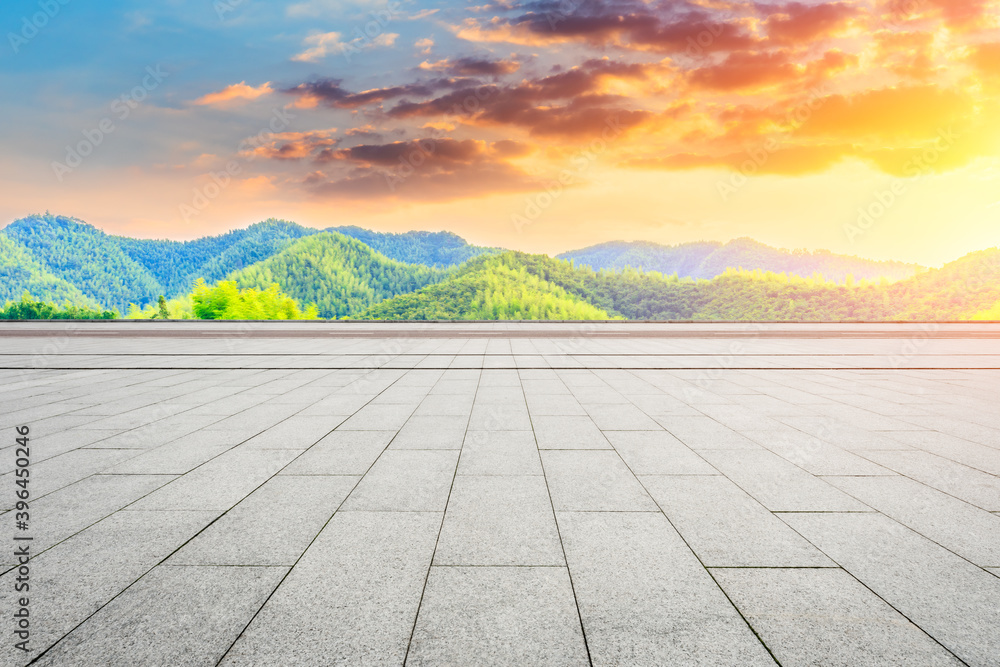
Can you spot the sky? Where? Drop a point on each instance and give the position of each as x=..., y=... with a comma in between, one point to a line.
x=867, y=127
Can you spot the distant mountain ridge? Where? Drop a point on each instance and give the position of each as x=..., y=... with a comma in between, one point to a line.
x=356, y=273
x=114, y=271
x=708, y=259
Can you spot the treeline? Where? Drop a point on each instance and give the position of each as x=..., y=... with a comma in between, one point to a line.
x=961, y=290
x=497, y=291
x=29, y=308
x=63, y=257
x=341, y=276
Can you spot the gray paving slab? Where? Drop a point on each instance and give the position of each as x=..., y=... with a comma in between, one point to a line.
x=406, y=481
x=814, y=455
x=657, y=453
x=77, y=577
x=259, y=417
x=378, y=418
x=181, y=455
x=968, y=484
x=432, y=432
x=970, y=532
x=842, y=433
x=945, y=595
x=980, y=457
x=449, y=386
x=61, y=471
x=341, y=453
x=779, y=485
x=553, y=405
x=75, y=507
x=172, y=616
x=621, y=418
x=499, y=417
x=752, y=447
x=827, y=617
x=700, y=432
x=494, y=520
x=499, y=453
x=157, y=433
x=568, y=432
x=296, y=432
x=645, y=599
x=220, y=483
x=725, y=527
x=593, y=481
x=353, y=597
x=498, y=616
x=272, y=526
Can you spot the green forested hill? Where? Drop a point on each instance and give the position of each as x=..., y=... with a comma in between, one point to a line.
x=64, y=260
x=87, y=258
x=955, y=291
x=440, y=249
x=499, y=288
x=709, y=259
x=177, y=264
x=341, y=275
x=958, y=291
x=20, y=273
x=116, y=270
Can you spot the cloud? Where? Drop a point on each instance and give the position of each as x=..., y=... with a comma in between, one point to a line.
x=424, y=45
x=427, y=170
x=746, y=70
x=320, y=45
x=295, y=145
x=909, y=55
x=887, y=114
x=331, y=93
x=234, y=93
x=782, y=160
x=798, y=23
x=533, y=103
x=986, y=59
x=323, y=44
x=679, y=27
x=472, y=66
x=422, y=14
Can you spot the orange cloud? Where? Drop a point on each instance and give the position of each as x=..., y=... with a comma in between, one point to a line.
x=888, y=114
x=423, y=170
x=907, y=54
x=235, y=93
x=799, y=23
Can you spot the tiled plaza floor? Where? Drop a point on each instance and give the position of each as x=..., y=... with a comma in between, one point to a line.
x=504, y=494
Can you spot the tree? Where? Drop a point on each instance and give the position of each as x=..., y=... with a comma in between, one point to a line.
x=162, y=312
x=226, y=301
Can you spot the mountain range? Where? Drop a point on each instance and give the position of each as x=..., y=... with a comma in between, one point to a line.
x=708, y=259
x=356, y=273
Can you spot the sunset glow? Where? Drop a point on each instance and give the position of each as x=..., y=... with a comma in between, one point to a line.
x=865, y=127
